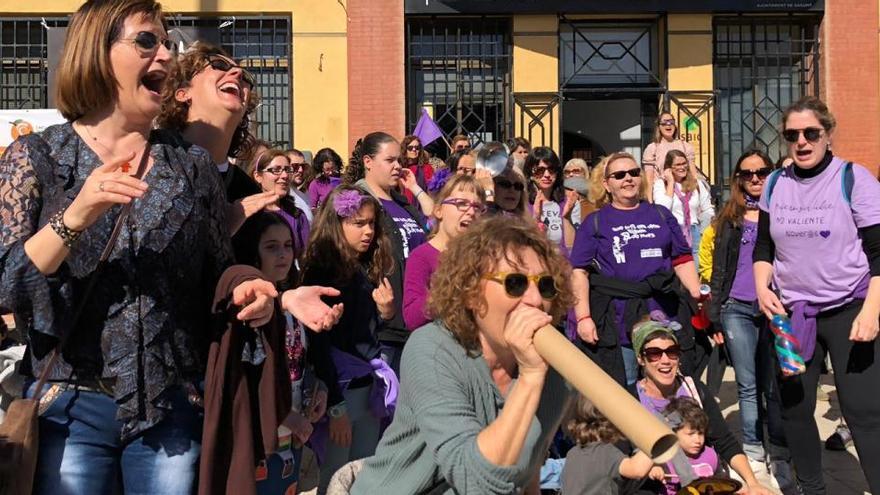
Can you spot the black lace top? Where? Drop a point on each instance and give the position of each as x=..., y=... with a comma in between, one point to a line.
x=146, y=324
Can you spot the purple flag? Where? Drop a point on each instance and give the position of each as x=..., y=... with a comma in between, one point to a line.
x=426, y=129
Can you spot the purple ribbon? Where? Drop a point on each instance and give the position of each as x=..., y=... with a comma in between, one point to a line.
x=804, y=313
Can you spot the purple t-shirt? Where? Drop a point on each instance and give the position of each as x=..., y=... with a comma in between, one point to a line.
x=743, y=287
x=704, y=465
x=819, y=255
x=320, y=189
x=420, y=265
x=629, y=245
x=412, y=233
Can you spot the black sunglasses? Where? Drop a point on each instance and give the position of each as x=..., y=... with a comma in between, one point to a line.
x=761, y=173
x=224, y=65
x=515, y=284
x=149, y=42
x=621, y=174
x=540, y=171
x=506, y=184
x=811, y=134
x=654, y=354
x=413, y=147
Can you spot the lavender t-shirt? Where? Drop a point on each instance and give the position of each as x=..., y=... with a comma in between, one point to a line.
x=743, y=287
x=819, y=255
x=629, y=245
x=412, y=233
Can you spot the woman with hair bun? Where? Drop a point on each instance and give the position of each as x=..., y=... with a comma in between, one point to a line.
x=375, y=168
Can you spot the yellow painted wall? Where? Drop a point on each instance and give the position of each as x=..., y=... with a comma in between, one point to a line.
x=689, y=38
x=320, y=87
x=536, y=70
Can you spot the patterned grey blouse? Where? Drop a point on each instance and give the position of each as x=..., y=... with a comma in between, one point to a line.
x=147, y=322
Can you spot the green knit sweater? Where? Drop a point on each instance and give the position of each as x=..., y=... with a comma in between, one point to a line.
x=446, y=399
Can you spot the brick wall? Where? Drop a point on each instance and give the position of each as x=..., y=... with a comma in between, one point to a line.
x=850, y=67
x=376, y=92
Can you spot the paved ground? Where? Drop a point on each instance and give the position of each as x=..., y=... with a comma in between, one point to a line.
x=842, y=472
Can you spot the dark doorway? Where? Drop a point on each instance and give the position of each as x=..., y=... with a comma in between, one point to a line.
x=593, y=128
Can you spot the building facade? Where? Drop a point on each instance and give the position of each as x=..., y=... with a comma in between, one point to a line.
x=584, y=77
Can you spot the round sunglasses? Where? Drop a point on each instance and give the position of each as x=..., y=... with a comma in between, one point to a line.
x=811, y=134
x=148, y=42
x=515, y=284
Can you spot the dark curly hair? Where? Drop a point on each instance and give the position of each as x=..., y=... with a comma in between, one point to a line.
x=323, y=156
x=586, y=424
x=369, y=145
x=457, y=286
x=174, y=113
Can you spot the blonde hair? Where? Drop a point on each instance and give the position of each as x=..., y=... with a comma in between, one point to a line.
x=613, y=157
x=85, y=81
x=690, y=182
x=577, y=163
x=464, y=183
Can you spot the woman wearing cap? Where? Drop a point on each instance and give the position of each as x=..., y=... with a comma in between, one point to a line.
x=659, y=355
x=626, y=257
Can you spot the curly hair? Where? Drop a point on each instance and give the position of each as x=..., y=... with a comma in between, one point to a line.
x=330, y=255
x=689, y=413
x=587, y=425
x=423, y=155
x=323, y=156
x=457, y=286
x=174, y=113
x=369, y=145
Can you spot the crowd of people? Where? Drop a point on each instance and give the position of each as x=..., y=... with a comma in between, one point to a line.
x=201, y=305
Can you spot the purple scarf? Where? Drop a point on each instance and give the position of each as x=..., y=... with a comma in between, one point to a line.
x=686, y=209
x=804, y=313
x=383, y=394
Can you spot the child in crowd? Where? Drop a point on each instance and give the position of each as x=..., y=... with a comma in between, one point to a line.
x=690, y=423
x=266, y=242
x=595, y=466
x=350, y=251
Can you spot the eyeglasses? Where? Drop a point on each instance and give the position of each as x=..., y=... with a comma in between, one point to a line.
x=761, y=173
x=465, y=147
x=811, y=134
x=621, y=174
x=573, y=172
x=506, y=184
x=413, y=148
x=515, y=284
x=653, y=354
x=224, y=65
x=148, y=42
x=540, y=171
x=466, y=171
x=462, y=205
x=667, y=122
x=279, y=170
x=680, y=165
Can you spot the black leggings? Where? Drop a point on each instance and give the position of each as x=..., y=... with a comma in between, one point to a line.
x=857, y=376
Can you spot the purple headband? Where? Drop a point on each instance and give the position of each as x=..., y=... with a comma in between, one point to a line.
x=348, y=203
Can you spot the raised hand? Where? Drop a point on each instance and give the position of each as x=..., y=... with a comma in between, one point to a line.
x=106, y=186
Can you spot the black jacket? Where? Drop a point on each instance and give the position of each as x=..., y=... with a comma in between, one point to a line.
x=395, y=330
x=725, y=257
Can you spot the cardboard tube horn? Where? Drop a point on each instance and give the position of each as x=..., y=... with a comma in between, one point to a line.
x=642, y=428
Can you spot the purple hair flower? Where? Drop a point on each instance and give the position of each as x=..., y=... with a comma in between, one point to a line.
x=438, y=180
x=347, y=203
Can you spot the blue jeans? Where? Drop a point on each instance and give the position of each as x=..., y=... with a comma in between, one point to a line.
x=81, y=451
x=630, y=364
x=748, y=341
x=365, y=434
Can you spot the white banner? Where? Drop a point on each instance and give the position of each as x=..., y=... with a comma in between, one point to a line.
x=14, y=123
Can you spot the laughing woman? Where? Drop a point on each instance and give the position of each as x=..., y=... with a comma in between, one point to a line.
x=119, y=411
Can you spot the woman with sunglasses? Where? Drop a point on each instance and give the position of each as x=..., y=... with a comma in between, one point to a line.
x=657, y=349
x=119, y=410
x=462, y=423
x=375, y=168
x=686, y=196
x=459, y=204
x=273, y=172
x=626, y=257
x=508, y=194
x=666, y=138
x=726, y=262
x=819, y=246
x=415, y=158
x=546, y=191
x=326, y=167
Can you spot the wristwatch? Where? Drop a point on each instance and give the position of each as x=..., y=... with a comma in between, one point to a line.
x=337, y=410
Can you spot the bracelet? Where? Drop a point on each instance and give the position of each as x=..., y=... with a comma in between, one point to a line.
x=582, y=318
x=418, y=193
x=68, y=236
x=337, y=410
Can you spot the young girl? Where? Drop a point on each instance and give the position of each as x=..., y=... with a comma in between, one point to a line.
x=266, y=242
x=350, y=251
x=690, y=423
x=595, y=465
x=274, y=173
x=457, y=205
